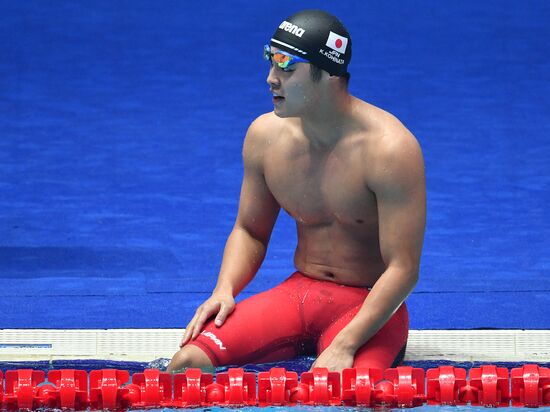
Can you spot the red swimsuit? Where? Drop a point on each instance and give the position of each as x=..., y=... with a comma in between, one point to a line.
x=301, y=316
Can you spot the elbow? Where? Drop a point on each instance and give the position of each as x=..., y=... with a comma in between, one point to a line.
x=409, y=273
x=412, y=271
x=408, y=278
x=414, y=276
x=253, y=233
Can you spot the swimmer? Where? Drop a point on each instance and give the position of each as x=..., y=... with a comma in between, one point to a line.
x=352, y=177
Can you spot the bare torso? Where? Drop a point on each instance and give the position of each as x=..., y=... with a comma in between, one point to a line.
x=325, y=190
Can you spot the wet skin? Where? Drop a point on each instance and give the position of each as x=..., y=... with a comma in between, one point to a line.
x=352, y=177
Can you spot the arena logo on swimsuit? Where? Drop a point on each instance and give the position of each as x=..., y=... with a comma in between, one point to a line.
x=292, y=28
x=215, y=339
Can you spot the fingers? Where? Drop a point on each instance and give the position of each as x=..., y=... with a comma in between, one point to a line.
x=194, y=328
x=188, y=330
x=207, y=312
x=225, y=311
x=203, y=313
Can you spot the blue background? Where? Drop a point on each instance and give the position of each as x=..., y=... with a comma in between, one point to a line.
x=121, y=126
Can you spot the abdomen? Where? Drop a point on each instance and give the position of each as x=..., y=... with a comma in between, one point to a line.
x=344, y=255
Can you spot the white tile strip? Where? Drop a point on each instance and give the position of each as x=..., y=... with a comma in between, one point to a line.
x=148, y=344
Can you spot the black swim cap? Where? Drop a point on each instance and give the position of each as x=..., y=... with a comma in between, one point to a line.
x=318, y=37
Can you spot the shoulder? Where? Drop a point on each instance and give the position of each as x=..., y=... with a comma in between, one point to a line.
x=263, y=128
x=394, y=141
x=394, y=155
x=263, y=124
x=259, y=135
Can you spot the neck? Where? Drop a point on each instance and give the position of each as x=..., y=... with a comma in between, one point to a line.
x=328, y=122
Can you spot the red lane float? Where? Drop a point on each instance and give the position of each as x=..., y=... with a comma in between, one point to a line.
x=239, y=387
x=358, y=386
x=275, y=386
x=106, y=389
x=318, y=387
x=22, y=389
x=530, y=386
x=150, y=388
x=72, y=389
x=488, y=386
x=407, y=390
x=402, y=387
x=190, y=388
x=444, y=384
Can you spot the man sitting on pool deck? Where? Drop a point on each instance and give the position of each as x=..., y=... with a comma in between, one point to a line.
x=352, y=176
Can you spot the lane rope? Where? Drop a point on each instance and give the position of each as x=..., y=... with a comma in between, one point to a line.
x=403, y=387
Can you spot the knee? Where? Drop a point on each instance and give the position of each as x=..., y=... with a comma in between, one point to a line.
x=188, y=357
x=181, y=359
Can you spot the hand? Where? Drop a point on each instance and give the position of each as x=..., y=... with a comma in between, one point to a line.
x=220, y=305
x=334, y=359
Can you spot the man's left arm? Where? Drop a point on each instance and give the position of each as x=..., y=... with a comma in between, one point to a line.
x=398, y=181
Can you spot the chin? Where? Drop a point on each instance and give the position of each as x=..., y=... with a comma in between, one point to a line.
x=285, y=113
x=280, y=113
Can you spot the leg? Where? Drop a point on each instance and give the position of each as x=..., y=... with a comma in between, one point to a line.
x=263, y=328
x=385, y=349
x=189, y=357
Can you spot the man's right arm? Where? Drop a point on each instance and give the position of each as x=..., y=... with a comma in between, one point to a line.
x=246, y=246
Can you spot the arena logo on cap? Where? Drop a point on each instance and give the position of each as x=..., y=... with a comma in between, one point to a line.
x=337, y=42
x=292, y=28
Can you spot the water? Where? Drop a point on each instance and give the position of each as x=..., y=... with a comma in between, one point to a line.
x=298, y=365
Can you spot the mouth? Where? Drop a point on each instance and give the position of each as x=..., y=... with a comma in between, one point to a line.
x=277, y=98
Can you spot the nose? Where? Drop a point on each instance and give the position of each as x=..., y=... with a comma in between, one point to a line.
x=272, y=78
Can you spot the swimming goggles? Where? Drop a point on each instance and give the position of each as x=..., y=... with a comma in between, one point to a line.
x=281, y=58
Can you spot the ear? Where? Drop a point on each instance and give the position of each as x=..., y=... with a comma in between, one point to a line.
x=333, y=80
x=337, y=81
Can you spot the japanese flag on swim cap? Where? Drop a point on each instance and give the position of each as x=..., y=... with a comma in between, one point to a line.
x=318, y=37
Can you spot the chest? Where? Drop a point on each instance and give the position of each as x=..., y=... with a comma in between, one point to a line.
x=321, y=188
